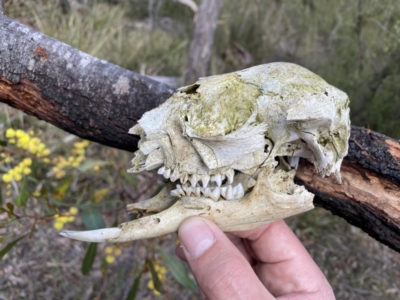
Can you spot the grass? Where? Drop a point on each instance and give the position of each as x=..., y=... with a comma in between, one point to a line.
x=352, y=44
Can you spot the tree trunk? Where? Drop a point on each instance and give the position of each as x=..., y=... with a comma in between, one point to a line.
x=99, y=101
x=203, y=38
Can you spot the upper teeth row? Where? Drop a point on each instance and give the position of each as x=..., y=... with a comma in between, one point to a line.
x=173, y=175
x=228, y=192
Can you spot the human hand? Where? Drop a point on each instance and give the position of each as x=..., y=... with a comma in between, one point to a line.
x=262, y=263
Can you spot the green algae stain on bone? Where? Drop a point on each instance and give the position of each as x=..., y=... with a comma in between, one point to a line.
x=221, y=105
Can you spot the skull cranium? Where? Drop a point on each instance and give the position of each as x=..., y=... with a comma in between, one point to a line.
x=232, y=142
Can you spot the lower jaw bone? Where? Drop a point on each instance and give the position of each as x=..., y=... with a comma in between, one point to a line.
x=274, y=197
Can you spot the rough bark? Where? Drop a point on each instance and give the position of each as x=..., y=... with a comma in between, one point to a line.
x=81, y=94
x=203, y=38
x=369, y=196
x=100, y=101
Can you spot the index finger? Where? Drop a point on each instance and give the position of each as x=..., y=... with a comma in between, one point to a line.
x=285, y=265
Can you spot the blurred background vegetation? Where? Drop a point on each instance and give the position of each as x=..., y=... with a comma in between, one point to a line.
x=353, y=44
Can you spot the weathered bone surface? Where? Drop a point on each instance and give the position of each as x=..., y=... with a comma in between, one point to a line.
x=232, y=143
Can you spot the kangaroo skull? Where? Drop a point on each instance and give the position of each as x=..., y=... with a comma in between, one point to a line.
x=229, y=146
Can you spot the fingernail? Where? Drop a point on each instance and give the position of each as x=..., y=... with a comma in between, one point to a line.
x=196, y=237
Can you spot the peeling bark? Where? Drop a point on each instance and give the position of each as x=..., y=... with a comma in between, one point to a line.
x=100, y=101
x=369, y=196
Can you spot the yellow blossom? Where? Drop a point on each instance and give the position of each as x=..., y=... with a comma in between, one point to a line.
x=108, y=250
x=7, y=178
x=36, y=194
x=117, y=251
x=11, y=141
x=10, y=133
x=151, y=286
x=58, y=225
x=73, y=210
x=96, y=168
x=46, y=152
x=110, y=259
x=19, y=133
x=26, y=171
x=27, y=161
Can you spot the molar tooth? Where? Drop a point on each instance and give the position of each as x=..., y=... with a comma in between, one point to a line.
x=238, y=191
x=217, y=179
x=206, y=192
x=161, y=170
x=188, y=190
x=167, y=173
x=197, y=191
x=175, y=175
x=179, y=188
x=184, y=178
x=193, y=180
x=229, y=193
x=223, y=191
x=215, y=193
x=175, y=193
x=230, y=174
x=205, y=179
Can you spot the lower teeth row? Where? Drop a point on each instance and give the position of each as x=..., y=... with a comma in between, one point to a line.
x=228, y=192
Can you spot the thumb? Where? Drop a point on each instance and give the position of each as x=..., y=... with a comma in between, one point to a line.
x=221, y=271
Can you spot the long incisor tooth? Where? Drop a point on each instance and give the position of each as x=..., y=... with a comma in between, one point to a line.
x=167, y=173
x=175, y=175
x=215, y=193
x=161, y=170
x=217, y=179
x=230, y=174
x=193, y=180
x=205, y=179
x=94, y=236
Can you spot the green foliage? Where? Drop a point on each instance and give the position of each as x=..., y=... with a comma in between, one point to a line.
x=93, y=219
x=9, y=246
x=88, y=260
x=132, y=293
x=178, y=270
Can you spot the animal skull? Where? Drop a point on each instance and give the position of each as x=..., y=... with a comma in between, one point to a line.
x=232, y=143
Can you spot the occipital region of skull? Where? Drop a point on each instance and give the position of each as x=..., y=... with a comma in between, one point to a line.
x=229, y=146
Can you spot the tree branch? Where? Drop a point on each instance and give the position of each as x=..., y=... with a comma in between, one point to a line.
x=74, y=91
x=369, y=196
x=203, y=38
x=1, y=8
x=100, y=101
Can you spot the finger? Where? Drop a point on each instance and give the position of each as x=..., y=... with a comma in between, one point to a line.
x=285, y=265
x=179, y=252
x=218, y=266
x=240, y=245
x=236, y=241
